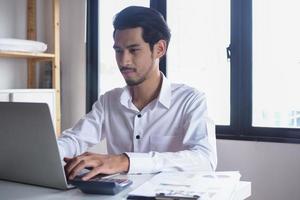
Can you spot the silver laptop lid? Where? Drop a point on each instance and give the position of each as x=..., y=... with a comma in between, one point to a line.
x=28, y=147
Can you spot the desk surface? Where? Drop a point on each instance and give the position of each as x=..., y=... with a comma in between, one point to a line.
x=11, y=190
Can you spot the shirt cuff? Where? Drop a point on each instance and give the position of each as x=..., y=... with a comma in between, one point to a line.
x=61, y=150
x=140, y=163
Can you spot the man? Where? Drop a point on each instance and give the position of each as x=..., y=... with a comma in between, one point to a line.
x=150, y=125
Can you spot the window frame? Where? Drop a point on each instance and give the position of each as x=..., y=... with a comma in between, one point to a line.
x=241, y=74
x=91, y=53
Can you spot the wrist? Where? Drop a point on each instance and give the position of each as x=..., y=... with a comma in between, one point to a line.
x=124, y=162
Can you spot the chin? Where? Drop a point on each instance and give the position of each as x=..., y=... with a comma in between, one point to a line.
x=134, y=82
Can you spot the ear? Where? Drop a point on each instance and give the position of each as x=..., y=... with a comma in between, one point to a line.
x=160, y=48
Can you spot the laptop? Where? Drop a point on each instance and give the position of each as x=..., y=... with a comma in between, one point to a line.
x=28, y=148
x=29, y=152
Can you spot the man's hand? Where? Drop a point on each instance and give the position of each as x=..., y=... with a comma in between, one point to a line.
x=104, y=164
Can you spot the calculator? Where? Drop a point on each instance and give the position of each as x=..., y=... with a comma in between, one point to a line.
x=101, y=185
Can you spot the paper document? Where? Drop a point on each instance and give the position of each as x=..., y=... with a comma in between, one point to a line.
x=190, y=185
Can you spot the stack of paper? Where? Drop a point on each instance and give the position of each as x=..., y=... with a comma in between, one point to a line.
x=193, y=185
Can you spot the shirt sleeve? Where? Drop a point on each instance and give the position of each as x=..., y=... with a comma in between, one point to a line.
x=199, y=144
x=86, y=133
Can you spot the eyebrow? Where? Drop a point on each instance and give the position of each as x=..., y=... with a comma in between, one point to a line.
x=127, y=47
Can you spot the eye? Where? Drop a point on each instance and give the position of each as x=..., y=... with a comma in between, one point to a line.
x=134, y=50
x=118, y=51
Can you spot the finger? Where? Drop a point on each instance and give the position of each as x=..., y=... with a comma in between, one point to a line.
x=66, y=159
x=68, y=162
x=72, y=163
x=86, y=163
x=92, y=173
x=80, y=166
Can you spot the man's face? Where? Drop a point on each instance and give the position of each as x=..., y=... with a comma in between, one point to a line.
x=134, y=57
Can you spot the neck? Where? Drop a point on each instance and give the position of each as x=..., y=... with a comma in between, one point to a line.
x=147, y=91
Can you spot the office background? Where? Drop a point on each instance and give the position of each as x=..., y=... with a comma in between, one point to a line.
x=273, y=168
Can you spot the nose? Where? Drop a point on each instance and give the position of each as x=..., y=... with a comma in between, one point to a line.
x=124, y=58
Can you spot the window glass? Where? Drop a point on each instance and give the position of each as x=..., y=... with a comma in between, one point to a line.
x=109, y=75
x=197, y=52
x=276, y=63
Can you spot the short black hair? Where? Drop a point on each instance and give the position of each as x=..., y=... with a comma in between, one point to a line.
x=151, y=21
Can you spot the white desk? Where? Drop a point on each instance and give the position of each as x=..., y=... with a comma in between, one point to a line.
x=17, y=191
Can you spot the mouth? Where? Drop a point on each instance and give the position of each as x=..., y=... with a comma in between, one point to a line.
x=126, y=71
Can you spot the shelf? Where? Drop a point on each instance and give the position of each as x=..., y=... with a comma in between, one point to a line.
x=15, y=54
x=33, y=58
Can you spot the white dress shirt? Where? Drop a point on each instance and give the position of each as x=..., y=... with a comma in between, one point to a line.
x=172, y=133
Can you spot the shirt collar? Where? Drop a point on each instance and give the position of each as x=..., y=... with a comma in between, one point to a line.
x=164, y=96
x=125, y=98
x=165, y=93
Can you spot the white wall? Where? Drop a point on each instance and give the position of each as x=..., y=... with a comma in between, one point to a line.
x=12, y=72
x=72, y=61
x=273, y=168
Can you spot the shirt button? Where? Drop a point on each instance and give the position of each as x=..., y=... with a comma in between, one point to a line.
x=137, y=137
x=139, y=115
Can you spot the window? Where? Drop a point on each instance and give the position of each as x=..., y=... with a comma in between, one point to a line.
x=276, y=64
x=197, y=52
x=252, y=89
